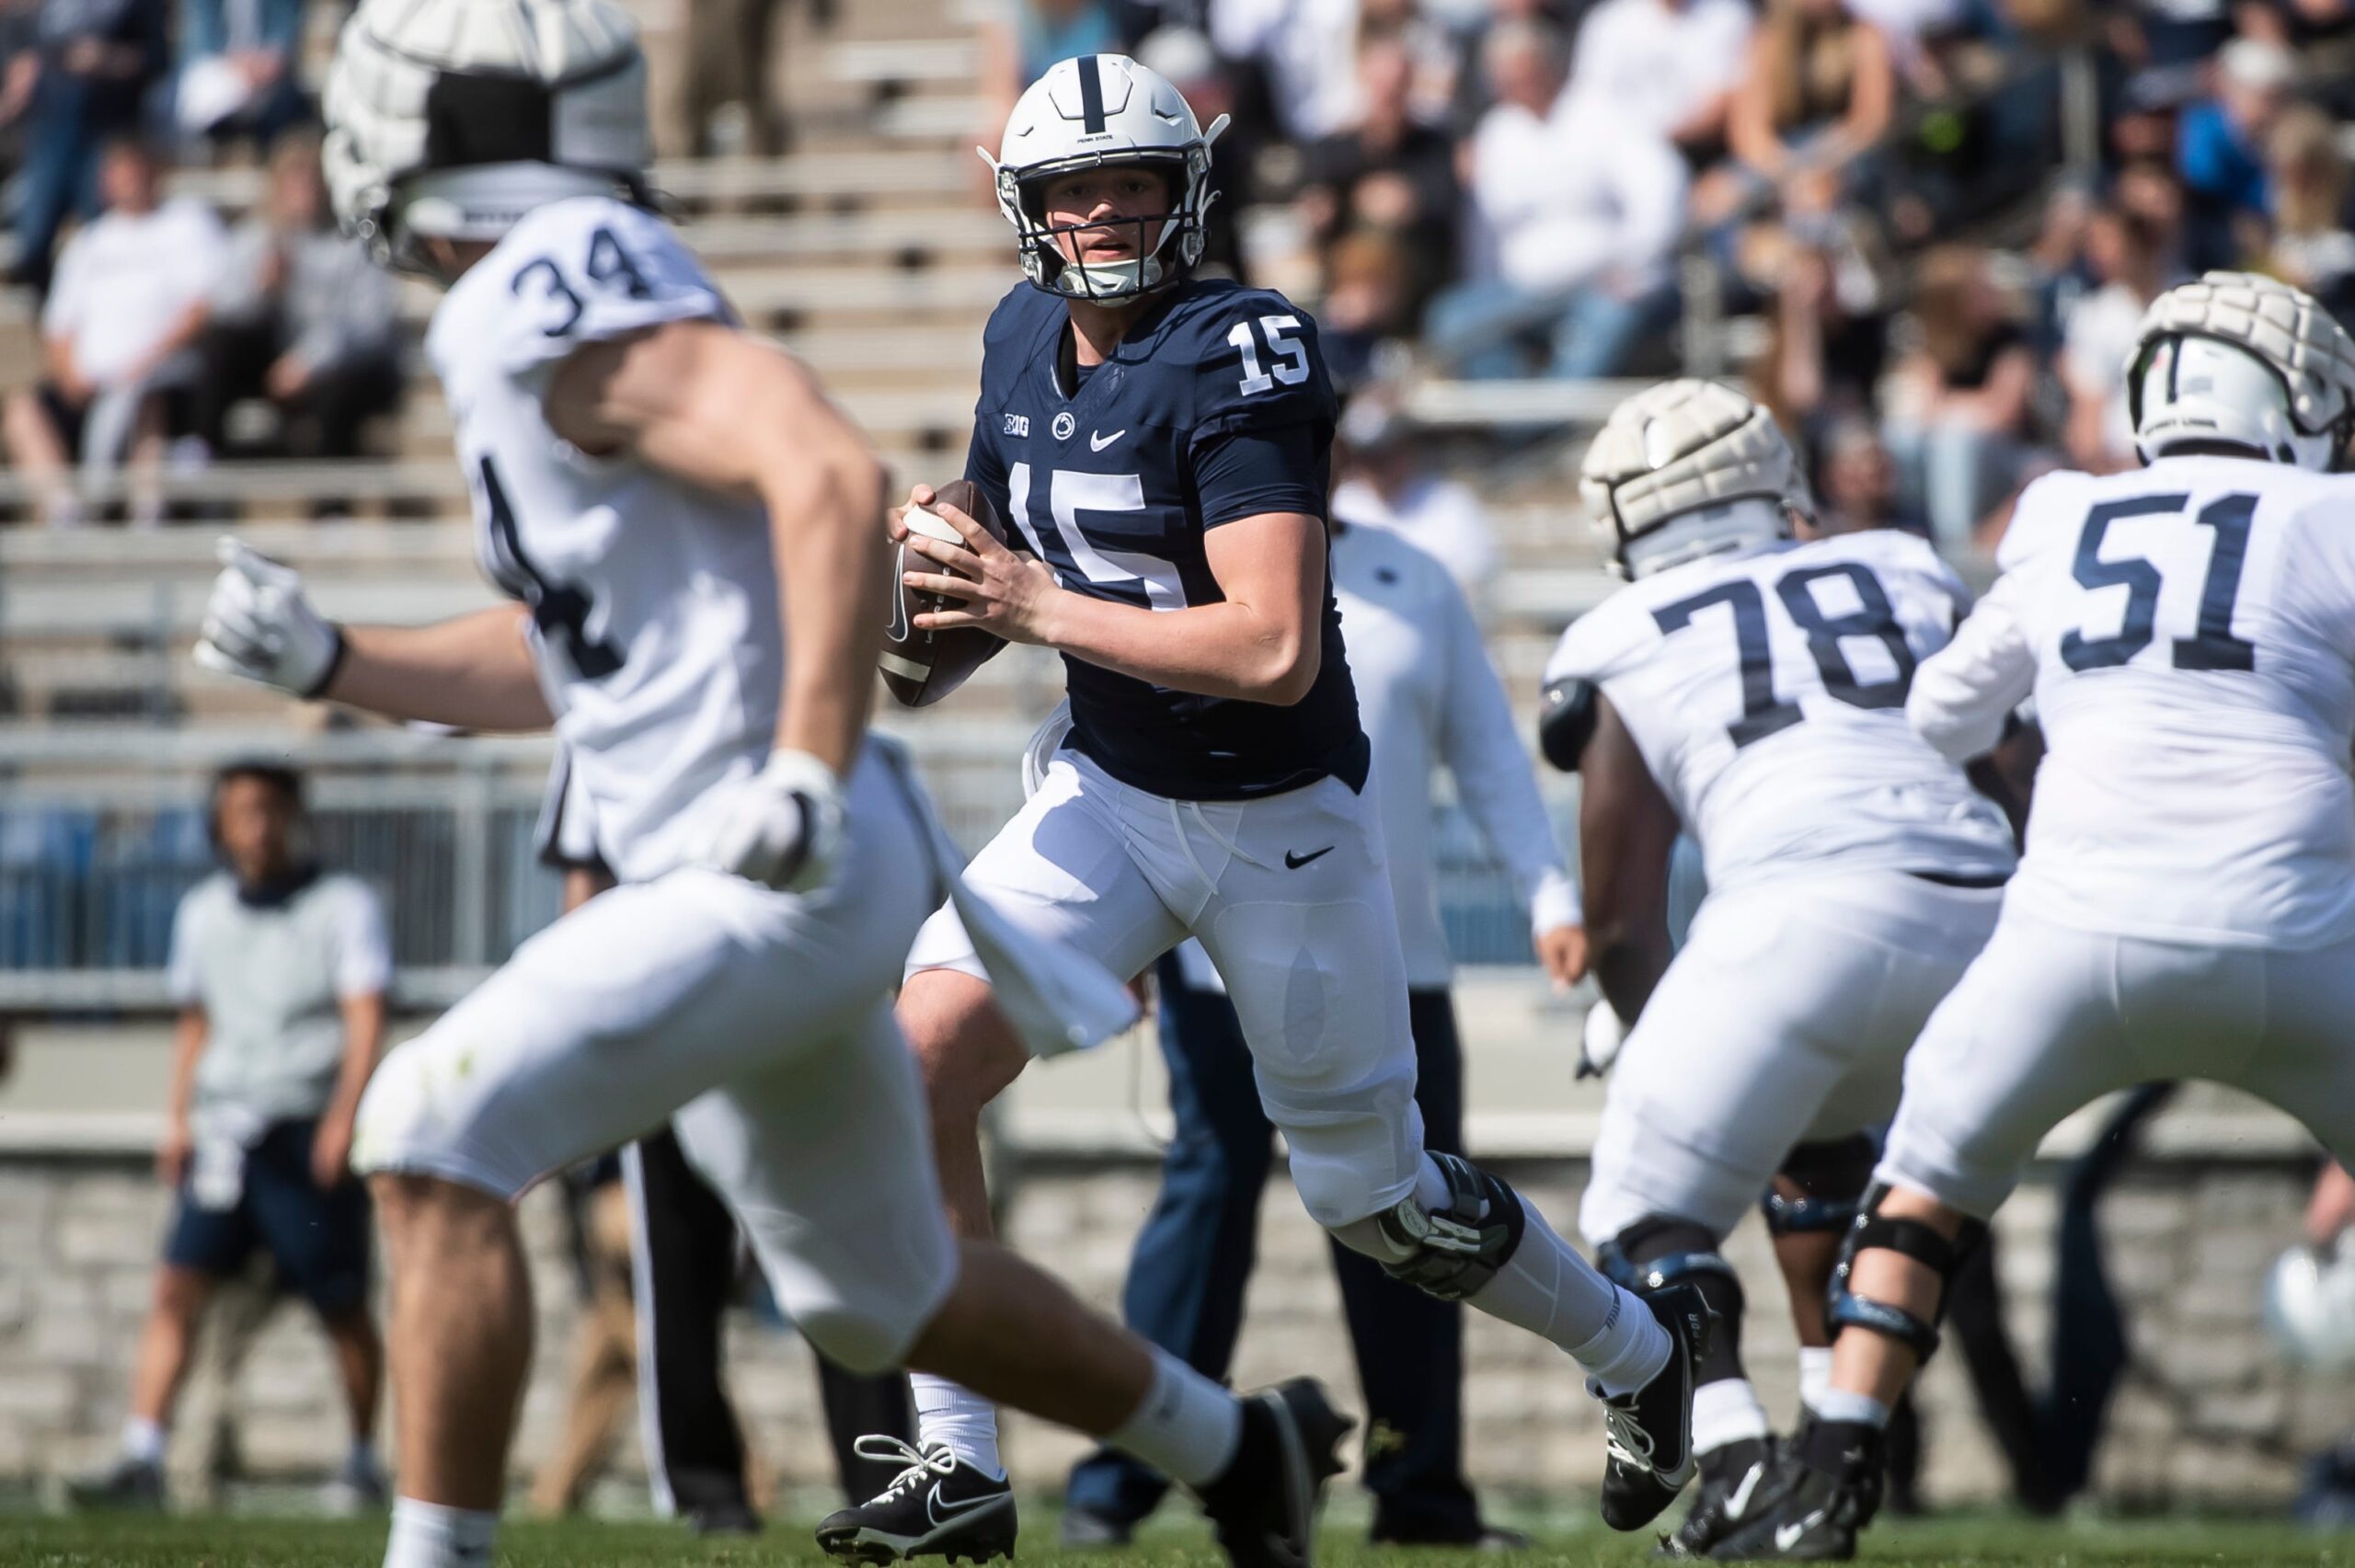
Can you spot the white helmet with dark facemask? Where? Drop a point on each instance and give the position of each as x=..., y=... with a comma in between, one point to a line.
x=455, y=117
x=1097, y=111
x=1687, y=470
x=2239, y=361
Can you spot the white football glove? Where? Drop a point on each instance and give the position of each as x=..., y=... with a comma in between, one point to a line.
x=260, y=624
x=1599, y=1047
x=783, y=828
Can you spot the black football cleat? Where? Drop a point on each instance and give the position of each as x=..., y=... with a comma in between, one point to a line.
x=1264, y=1508
x=937, y=1506
x=1650, y=1430
x=1728, y=1495
x=127, y=1486
x=1823, y=1486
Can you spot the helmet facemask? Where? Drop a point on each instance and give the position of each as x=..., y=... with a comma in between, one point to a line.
x=1104, y=112
x=1175, y=251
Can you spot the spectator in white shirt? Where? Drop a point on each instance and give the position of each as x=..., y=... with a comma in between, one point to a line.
x=130, y=297
x=1667, y=65
x=1577, y=215
x=280, y=970
x=1386, y=480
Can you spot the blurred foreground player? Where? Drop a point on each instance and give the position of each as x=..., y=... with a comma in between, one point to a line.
x=695, y=539
x=2185, y=907
x=1160, y=444
x=681, y=1252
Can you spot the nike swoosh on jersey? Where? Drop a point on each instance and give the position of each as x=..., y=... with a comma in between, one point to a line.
x=1098, y=443
x=1295, y=862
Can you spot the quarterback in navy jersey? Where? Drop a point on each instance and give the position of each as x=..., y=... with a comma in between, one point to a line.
x=1159, y=445
x=1211, y=408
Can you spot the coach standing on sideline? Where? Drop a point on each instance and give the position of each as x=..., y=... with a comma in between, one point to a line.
x=279, y=969
x=1427, y=695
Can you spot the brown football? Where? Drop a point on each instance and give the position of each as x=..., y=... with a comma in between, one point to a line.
x=920, y=667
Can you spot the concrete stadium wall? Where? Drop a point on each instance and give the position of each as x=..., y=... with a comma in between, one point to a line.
x=2208, y=1417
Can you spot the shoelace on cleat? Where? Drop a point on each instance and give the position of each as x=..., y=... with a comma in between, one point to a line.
x=1625, y=1437
x=920, y=1462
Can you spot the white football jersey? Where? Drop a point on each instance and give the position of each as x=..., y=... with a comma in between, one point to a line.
x=2188, y=631
x=1767, y=695
x=654, y=617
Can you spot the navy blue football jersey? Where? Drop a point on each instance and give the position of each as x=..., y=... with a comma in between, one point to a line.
x=1216, y=406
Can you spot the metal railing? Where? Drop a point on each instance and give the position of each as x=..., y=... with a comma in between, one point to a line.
x=102, y=834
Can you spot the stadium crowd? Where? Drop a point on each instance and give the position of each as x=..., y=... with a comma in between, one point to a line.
x=1940, y=218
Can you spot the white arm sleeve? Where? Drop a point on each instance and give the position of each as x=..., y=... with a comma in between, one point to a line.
x=1962, y=692
x=1493, y=772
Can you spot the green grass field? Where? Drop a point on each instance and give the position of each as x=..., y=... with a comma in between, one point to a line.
x=36, y=1542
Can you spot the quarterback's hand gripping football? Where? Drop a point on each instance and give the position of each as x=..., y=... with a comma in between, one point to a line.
x=1000, y=592
x=260, y=624
x=783, y=828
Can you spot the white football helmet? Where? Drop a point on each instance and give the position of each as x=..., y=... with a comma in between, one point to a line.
x=2239, y=361
x=454, y=118
x=1689, y=469
x=2310, y=1305
x=1085, y=112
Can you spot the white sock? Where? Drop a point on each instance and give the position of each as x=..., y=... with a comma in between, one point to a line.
x=1188, y=1428
x=951, y=1413
x=1815, y=1374
x=430, y=1535
x=1726, y=1412
x=1549, y=1288
x=1839, y=1404
x=143, y=1440
x=1629, y=1352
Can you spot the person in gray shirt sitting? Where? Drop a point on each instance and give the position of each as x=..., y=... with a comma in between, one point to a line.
x=279, y=969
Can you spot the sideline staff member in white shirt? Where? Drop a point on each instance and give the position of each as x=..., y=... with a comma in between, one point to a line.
x=1427, y=696
x=279, y=969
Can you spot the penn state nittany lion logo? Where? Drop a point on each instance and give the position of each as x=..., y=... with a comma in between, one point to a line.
x=1064, y=425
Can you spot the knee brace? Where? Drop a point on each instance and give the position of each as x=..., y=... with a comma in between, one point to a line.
x=1915, y=1239
x=1454, y=1252
x=1832, y=1177
x=1652, y=1255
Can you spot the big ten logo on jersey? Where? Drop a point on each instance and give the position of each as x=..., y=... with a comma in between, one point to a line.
x=1854, y=643
x=2180, y=565
x=1017, y=424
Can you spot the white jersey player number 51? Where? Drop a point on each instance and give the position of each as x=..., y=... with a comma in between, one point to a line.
x=2154, y=539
